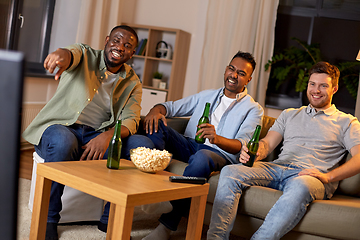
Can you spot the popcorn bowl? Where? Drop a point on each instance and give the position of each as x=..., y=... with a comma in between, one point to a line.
x=150, y=160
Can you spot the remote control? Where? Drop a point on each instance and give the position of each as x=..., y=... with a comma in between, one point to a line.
x=184, y=179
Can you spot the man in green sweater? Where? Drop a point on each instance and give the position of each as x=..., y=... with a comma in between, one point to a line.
x=96, y=88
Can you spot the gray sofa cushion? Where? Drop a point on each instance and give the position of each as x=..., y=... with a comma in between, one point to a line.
x=336, y=218
x=350, y=186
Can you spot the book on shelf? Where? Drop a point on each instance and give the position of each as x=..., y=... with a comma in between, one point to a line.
x=142, y=47
x=138, y=47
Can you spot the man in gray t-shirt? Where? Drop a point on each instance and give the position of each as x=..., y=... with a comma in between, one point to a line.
x=315, y=139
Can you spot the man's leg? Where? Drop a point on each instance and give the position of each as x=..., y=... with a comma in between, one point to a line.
x=298, y=192
x=233, y=180
x=182, y=149
x=204, y=162
x=167, y=138
x=58, y=143
x=135, y=141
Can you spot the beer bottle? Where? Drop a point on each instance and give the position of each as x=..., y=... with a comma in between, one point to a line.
x=203, y=119
x=114, y=152
x=253, y=146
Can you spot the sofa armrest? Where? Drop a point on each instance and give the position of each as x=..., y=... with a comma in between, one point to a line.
x=267, y=122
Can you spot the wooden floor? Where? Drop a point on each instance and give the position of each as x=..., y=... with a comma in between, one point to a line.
x=26, y=163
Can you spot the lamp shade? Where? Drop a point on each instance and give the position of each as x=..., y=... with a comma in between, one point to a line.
x=358, y=56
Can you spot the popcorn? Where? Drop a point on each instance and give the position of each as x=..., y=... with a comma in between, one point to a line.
x=150, y=160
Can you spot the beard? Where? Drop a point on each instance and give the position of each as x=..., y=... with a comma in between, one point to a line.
x=109, y=63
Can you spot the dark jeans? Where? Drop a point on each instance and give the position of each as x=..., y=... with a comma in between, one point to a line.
x=63, y=143
x=202, y=160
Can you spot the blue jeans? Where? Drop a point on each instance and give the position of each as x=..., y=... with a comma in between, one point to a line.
x=63, y=143
x=202, y=161
x=298, y=192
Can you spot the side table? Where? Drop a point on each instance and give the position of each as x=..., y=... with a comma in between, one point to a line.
x=124, y=188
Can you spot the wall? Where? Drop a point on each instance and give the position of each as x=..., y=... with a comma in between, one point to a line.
x=65, y=23
x=188, y=15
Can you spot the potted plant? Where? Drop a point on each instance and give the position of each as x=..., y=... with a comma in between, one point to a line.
x=293, y=63
x=157, y=76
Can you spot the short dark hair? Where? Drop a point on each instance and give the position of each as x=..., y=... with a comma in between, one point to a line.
x=246, y=56
x=127, y=28
x=325, y=67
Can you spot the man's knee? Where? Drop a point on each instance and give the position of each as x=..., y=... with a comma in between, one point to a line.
x=59, y=140
x=200, y=164
x=159, y=137
x=307, y=187
x=63, y=137
x=201, y=157
x=136, y=140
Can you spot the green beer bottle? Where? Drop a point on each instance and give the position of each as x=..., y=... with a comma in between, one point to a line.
x=203, y=119
x=113, y=160
x=253, y=146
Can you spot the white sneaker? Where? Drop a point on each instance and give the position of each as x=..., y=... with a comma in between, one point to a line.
x=159, y=233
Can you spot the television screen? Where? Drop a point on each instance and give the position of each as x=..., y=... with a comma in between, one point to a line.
x=11, y=89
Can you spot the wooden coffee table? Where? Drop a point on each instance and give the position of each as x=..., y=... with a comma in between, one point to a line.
x=124, y=188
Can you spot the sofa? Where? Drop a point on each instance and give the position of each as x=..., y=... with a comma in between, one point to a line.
x=337, y=218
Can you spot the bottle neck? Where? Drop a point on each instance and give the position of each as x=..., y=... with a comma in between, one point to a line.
x=206, y=110
x=117, y=130
x=256, y=134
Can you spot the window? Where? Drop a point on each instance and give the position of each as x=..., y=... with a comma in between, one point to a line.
x=335, y=25
x=27, y=29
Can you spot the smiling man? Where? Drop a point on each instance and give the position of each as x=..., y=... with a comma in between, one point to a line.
x=96, y=88
x=233, y=118
x=315, y=139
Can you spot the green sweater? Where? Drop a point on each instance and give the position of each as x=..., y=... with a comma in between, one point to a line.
x=77, y=88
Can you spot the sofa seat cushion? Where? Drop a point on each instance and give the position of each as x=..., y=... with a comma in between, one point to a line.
x=335, y=218
x=176, y=166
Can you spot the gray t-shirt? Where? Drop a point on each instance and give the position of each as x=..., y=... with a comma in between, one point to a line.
x=98, y=110
x=316, y=139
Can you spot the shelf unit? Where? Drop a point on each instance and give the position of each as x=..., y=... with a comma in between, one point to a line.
x=173, y=69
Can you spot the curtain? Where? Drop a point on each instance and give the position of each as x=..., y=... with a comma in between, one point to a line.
x=97, y=18
x=232, y=25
